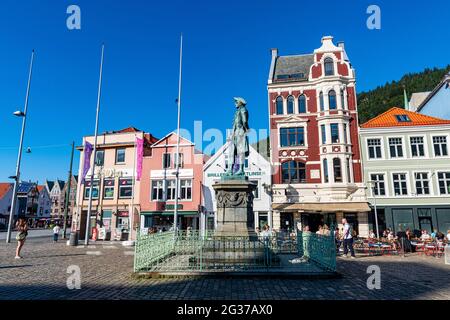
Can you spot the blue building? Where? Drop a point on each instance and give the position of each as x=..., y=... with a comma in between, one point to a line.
x=437, y=103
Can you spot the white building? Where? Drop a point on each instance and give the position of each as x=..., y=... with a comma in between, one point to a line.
x=44, y=202
x=257, y=168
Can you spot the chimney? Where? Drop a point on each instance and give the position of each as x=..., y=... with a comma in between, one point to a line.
x=274, y=52
x=341, y=44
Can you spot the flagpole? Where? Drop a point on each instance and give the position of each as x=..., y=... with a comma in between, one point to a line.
x=88, y=218
x=177, y=155
x=24, y=114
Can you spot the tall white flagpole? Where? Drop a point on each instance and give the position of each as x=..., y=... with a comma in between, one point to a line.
x=88, y=218
x=177, y=155
x=19, y=155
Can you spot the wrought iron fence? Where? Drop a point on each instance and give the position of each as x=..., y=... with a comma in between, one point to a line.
x=190, y=251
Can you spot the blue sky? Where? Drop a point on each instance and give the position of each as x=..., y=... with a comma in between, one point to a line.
x=226, y=53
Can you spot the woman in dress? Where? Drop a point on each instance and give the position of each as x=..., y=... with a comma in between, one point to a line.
x=22, y=232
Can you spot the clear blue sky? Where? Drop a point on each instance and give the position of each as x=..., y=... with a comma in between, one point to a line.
x=227, y=53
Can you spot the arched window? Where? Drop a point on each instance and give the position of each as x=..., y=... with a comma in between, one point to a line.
x=293, y=172
x=279, y=105
x=290, y=105
x=337, y=169
x=322, y=108
x=342, y=99
x=329, y=67
x=302, y=104
x=332, y=100
x=325, y=170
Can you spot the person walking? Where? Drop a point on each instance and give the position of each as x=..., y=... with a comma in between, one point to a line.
x=56, y=230
x=22, y=233
x=348, y=239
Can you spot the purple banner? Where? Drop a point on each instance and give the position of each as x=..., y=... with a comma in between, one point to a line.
x=140, y=155
x=87, y=160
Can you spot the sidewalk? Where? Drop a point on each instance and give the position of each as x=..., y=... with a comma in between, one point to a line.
x=33, y=233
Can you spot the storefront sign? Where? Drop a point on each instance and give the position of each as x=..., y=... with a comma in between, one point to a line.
x=123, y=213
x=102, y=233
x=248, y=174
x=172, y=206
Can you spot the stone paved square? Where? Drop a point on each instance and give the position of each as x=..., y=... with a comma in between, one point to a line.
x=106, y=273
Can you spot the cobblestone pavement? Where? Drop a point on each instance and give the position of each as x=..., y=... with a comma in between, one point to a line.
x=106, y=274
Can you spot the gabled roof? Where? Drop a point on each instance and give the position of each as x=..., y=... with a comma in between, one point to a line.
x=166, y=137
x=445, y=81
x=417, y=98
x=61, y=183
x=389, y=119
x=4, y=188
x=50, y=185
x=40, y=188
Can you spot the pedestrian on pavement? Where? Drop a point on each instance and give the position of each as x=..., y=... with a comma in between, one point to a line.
x=22, y=233
x=56, y=230
x=348, y=239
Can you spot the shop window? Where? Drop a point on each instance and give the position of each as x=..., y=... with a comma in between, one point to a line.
x=108, y=189
x=125, y=188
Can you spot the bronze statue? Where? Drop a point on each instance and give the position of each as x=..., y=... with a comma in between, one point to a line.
x=239, y=148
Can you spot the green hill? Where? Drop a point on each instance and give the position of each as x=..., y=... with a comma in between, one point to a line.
x=382, y=98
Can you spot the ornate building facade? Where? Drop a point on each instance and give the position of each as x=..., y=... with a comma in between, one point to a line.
x=315, y=156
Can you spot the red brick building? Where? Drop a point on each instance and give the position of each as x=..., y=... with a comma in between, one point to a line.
x=314, y=140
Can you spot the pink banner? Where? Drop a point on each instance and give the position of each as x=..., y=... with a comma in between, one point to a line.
x=139, y=155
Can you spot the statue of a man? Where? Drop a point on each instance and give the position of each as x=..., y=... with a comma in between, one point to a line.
x=239, y=149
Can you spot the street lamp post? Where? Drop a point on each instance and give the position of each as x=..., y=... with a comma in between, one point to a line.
x=22, y=114
x=375, y=183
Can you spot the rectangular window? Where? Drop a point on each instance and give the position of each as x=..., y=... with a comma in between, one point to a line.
x=166, y=161
x=292, y=137
x=422, y=183
x=108, y=189
x=345, y=133
x=87, y=188
x=374, y=146
x=180, y=160
x=444, y=182
x=324, y=134
x=417, y=146
x=186, y=189
x=256, y=192
x=334, y=133
x=125, y=188
x=400, y=186
x=440, y=146
x=378, y=184
x=395, y=147
x=171, y=184
x=100, y=157
x=120, y=156
x=157, y=190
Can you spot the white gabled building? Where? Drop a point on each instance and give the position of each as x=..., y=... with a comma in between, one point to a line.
x=258, y=170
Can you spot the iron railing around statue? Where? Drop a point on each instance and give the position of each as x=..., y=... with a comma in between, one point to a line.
x=190, y=251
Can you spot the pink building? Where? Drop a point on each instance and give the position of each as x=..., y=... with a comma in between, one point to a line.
x=157, y=187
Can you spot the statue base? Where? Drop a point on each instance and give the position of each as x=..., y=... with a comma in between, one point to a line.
x=234, y=200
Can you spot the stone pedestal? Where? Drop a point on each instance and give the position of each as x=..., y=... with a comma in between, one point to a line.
x=234, y=199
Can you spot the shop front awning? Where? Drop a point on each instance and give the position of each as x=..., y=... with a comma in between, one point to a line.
x=168, y=213
x=323, y=207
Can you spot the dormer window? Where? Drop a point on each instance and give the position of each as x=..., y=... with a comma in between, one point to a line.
x=403, y=118
x=329, y=67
